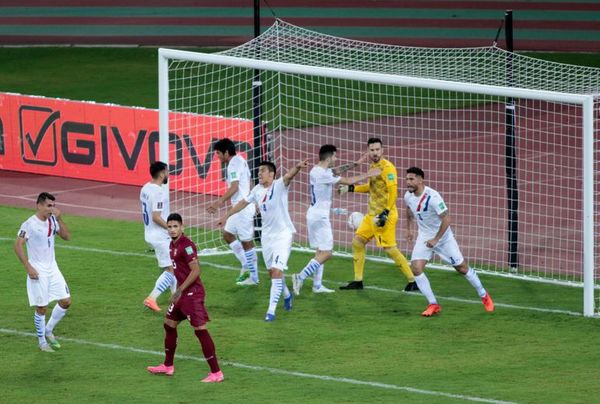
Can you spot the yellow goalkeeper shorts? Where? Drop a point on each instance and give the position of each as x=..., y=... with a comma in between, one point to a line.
x=384, y=236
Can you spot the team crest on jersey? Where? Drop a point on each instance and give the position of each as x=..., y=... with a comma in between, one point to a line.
x=189, y=250
x=390, y=177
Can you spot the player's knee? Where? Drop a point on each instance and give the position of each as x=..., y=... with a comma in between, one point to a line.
x=65, y=303
x=358, y=243
x=169, y=326
x=228, y=237
x=248, y=245
x=463, y=268
x=276, y=273
x=200, y=327
x=41, y=310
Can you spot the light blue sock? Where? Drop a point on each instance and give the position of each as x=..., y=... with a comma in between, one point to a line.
x=251, y=262
x=164, y=281
x=40, y=327
x=309, y=269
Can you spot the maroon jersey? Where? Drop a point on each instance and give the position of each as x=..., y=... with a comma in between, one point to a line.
x=183, y=251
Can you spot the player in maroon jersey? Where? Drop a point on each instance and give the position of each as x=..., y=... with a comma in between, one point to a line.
x=186, y=302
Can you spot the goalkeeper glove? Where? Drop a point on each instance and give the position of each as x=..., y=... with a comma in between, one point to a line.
x=382, y=218
x=345, y=188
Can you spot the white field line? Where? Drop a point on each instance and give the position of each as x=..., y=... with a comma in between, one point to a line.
x=380, y=289
x=270, y=370
x=64, y=191
x=73, y=205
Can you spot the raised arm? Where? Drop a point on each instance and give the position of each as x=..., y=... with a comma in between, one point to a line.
x=63, y=230
x=337, y=171
x=357, y=178
x=287, y=178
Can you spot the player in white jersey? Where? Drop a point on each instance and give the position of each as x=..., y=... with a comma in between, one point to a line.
x=426, y=206
x=154, y=201
x=271, y=197
x=322, y=180
x=240, y=225
x=45, y=282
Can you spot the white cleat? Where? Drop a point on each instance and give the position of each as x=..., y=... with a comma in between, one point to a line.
x=323, y=289
x=297, y=284
x=247, y=282
x=46, y=348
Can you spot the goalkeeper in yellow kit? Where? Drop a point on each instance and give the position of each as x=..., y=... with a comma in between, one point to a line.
x=380, y=222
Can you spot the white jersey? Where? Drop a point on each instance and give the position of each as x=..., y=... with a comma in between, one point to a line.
x=273, y=205
x=154, y=199
x=39, y=236
x=426, y=209
x=322, y=181
x=237, y=170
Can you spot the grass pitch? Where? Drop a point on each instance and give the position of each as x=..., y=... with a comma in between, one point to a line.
x=354, y=346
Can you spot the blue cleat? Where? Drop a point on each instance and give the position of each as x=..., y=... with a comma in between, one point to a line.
x=269, y=318
x=287, y=302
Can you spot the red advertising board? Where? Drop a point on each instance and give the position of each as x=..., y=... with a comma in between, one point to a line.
x=113, y=143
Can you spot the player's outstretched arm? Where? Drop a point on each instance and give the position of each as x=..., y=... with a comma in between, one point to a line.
x=232, y=190
x=63, y=231
x=192, y=276
x=337, y=171
x=357, y=178
x=287, y=178
x=235, y=209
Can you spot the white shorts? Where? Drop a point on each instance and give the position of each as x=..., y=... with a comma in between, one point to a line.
x=320, y=235
x=242, y=223
x=161, y=251
x=276, y=251
x=447, y=250
x=47, y=288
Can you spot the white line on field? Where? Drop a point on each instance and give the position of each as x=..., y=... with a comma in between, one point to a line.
x=63, y=191
x=74, y=205
x=377, y=288
x=270, y=370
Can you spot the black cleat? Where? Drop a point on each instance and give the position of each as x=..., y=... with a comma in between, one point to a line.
x=411, y=287
x=353, y=285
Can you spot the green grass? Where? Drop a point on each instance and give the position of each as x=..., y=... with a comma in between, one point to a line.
x=378, y=336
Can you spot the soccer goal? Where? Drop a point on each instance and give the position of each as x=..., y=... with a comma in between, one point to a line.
x=522, y=200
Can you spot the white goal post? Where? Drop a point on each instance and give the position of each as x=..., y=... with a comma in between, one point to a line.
x=182, y=71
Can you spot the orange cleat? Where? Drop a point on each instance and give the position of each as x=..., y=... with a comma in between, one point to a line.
x=431, y=310
x=216, y=377
x=487, y=302
x=151, y=304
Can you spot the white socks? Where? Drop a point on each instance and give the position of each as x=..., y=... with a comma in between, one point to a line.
x=310, y=268
x=57, y=314
x=40, y=327
x=251, y=263
x=164, y=281
x=425, y=288
x=318, y=277
x=276, y=289
x=238, y=251
x=473, y=279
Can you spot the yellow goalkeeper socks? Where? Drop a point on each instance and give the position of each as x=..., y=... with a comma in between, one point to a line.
x=401, y=262
x=358, y=253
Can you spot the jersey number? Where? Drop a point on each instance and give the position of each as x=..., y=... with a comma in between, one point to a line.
x=145, y=214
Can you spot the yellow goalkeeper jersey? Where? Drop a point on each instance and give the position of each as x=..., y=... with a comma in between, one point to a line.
x=382, y=189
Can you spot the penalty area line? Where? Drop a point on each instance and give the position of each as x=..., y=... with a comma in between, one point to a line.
x=268, y=369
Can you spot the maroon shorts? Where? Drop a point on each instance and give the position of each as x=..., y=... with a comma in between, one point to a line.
x=190, y=307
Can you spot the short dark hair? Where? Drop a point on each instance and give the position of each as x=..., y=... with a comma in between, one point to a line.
x=416, y=171
x=156, y=168
x=374, y=140
x=271, y=166
x=225, y=145
x=175, y=217
x=44, y=196
x=326, y=150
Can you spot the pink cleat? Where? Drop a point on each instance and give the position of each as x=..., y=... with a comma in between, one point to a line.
x=161, y=370
x=488, y=303
x=216, y=377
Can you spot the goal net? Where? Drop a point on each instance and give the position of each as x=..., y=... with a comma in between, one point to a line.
x=522, y=200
